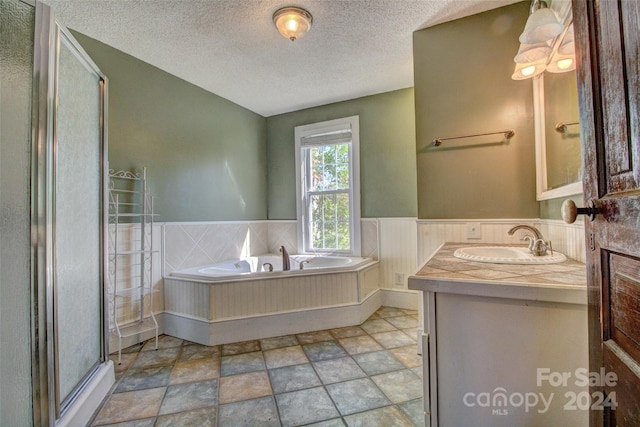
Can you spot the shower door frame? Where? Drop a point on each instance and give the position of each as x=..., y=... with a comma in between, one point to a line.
x=48, y=407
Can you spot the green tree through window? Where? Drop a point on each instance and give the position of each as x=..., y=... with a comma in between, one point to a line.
x=329, y=197
x=328, y=208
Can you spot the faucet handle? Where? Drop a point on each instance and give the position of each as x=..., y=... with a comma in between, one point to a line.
x=539, y=248
x=531, y=241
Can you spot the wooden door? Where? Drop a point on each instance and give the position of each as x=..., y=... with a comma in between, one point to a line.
x=608, y=47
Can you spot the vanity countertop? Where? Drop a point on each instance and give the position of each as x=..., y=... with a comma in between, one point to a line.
x=562, y=282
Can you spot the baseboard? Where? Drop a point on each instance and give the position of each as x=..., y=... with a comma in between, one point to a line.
x=270, y=325
x=400, y=298
x=273, y=324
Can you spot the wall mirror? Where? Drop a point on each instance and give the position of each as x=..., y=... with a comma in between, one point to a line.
x=557, y=128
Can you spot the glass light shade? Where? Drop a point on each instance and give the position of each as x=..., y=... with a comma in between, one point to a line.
x=542, y=25
x=561, y=64
x=532, y=53
x=528, y=70
x=292, y=22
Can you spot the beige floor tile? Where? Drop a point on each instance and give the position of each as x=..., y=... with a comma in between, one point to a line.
x=408, y=355
x=348, y=332
x=195, y=370
x=131, y=405
x=314, y=337
x=286, y=356
x=240, y=347
x=244, y=386
x=357, y=345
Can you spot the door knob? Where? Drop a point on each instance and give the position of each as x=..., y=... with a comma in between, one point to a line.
x=570, y=211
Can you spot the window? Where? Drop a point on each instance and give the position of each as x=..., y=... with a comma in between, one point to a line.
x=327, y=167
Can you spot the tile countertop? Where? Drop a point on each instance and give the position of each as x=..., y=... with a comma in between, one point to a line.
x=561, y=282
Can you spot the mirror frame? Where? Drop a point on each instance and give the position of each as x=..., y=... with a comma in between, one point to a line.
x=541, y=151
x=562, y=8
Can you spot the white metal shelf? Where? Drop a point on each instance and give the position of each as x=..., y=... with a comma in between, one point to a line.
x=133, y=292
x=136, y=252
x=137, y=328
x=131, y=270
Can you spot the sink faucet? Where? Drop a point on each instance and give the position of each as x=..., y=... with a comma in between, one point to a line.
x=537, y=245
x=286, y=262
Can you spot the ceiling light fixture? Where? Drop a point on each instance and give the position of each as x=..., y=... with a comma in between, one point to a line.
x=292, y=22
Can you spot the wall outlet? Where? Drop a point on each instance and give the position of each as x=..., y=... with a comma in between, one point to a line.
x=399, y=279
x=474, y=230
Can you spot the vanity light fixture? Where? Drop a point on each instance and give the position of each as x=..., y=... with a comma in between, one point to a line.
x=564, y=58
x=539, y=50
x=542, y=25
x=292, y=22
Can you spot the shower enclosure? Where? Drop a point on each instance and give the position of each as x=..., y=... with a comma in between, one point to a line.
x=60, y=137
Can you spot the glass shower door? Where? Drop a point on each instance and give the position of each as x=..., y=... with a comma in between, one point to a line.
x=78, y=219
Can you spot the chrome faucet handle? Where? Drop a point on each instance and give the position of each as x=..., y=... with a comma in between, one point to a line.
x=531, y=241
x=303, y=262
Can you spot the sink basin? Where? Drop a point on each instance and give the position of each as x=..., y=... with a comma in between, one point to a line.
x=506, y=255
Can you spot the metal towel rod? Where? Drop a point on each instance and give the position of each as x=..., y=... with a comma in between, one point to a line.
x=562, y=126
x=507, y=134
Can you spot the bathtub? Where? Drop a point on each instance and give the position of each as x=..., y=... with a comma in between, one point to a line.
x=240, y=300
x=259, y=267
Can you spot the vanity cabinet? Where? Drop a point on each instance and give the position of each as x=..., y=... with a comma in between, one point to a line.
x=503, y=345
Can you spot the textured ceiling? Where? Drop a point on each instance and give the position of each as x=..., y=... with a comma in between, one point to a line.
x=231, y=47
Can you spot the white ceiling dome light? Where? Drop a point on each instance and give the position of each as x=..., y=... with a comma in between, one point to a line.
x=292, y=22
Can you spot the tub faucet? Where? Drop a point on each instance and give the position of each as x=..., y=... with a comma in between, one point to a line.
x=537, y=245
x=286, y=262
x=303, y=262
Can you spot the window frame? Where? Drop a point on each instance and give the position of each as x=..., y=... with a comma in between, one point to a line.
x=351, y=123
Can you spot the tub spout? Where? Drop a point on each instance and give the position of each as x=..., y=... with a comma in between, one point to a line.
x=286, y=262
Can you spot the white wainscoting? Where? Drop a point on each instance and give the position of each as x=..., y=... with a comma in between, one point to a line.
x=209, y=301
x=194, y=310
x=565, y=238
x=398, y=251
x=568, y=239
x=401, y=245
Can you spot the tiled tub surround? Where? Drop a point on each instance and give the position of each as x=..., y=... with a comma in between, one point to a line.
x=189, y=245
x=218, y=312
x=366, y=375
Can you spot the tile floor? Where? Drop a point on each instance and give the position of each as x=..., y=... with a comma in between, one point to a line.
x=367, y=375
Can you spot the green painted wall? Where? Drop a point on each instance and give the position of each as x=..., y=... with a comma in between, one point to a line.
x=387, y=154
x=206, y=157
x=463, y=85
